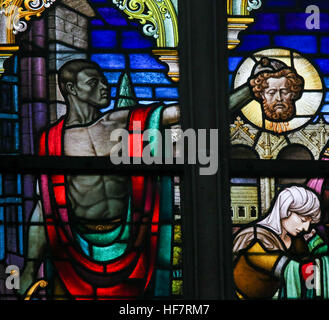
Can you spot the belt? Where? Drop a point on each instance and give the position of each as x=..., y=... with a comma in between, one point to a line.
x=100, y=227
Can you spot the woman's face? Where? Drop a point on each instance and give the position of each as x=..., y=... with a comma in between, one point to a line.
x=296, y=224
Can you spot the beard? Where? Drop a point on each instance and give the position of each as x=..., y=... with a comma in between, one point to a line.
x=279, y=111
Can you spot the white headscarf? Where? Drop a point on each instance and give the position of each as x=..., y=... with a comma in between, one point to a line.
x=293, y=199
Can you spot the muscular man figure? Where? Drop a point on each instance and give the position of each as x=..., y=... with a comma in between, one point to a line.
x=92, y=209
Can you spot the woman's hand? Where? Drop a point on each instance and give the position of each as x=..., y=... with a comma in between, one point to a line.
x=309, y=235
x=315, y=243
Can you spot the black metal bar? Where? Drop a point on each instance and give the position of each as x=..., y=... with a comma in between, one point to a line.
x=279, y=168
x=81, y=165
x=103, y=165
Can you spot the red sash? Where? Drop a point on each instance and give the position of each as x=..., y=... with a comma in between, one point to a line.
x=84, y=278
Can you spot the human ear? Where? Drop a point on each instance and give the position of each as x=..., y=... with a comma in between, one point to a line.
x=70, y=88
x=294, y=96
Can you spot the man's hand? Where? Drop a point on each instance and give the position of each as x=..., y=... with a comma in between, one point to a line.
x=171, y=115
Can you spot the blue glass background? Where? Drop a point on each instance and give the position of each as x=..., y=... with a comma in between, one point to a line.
x=119, y=45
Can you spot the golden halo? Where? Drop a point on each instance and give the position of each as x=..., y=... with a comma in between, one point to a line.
x=306, y=106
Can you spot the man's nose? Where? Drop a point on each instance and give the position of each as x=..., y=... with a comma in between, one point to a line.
x=103, y=85
x=278, y=96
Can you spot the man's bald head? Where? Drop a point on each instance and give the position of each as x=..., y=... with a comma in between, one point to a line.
x=69, y=71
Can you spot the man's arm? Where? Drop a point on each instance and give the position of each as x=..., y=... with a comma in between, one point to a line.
x=104, y=127
x=117, y=116
x=36, y=245
x=171, y=115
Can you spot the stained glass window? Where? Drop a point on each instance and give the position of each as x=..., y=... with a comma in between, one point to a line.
x=278, y=102
x=76, y=68
x=77, y=74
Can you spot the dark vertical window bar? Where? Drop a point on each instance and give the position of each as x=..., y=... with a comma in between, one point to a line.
x=207, y=232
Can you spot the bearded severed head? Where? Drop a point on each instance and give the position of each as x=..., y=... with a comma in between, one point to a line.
x=277, y=87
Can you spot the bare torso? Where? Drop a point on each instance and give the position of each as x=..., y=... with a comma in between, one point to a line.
x=96, y=197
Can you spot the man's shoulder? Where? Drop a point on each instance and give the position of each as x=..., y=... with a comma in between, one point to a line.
x=107, y=118
x=51, y=136
x=58, y=125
